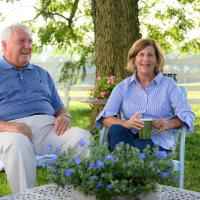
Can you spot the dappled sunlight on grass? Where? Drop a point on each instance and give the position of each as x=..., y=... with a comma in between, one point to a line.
x=81, y=114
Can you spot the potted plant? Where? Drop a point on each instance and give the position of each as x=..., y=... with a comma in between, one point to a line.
x=107, y=175
x=104, y=87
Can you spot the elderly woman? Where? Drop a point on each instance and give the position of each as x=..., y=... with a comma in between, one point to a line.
x=146, y=94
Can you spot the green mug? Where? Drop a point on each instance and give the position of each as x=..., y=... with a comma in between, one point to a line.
x=145, y=133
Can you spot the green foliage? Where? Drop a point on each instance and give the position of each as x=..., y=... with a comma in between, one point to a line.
x=125, y=171
x=172, y=23
x=69, y=29
x=70, y=72
x=68, y=26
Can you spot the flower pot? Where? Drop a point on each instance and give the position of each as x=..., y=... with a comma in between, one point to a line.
x=79, y=195
x=143, y=196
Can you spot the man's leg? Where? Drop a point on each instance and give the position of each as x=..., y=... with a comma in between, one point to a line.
x=19, y=160
x=44, y=135
x=73, y=138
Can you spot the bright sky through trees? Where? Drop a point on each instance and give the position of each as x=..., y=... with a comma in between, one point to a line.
x=16, y=12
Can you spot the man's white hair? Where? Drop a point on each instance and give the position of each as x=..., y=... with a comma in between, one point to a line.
x=6, y=33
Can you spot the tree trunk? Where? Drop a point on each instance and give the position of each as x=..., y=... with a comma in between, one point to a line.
x=116, y=28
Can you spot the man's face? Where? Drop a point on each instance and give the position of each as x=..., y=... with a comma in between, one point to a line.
x=17, y=50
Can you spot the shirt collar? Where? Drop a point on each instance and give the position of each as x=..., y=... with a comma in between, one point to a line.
x=6, y=65
x=157, y=78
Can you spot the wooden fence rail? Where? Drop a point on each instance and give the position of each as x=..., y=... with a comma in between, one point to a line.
x=189, y=80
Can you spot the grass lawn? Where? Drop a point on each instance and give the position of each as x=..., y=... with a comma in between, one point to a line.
x=81, y=114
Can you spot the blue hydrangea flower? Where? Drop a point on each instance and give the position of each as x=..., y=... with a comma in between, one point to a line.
x=82, y=143
x=142, y=156
x=92, y=165
x=68, y=172
x=164, y=174
x=176, y=177
x=161, y=154
x=77, y=160
x=49, y=147
x=58, y=149
x=109, y=187
x=100, y=164
x=99, y=184
x=110, y=158
x=54, y=157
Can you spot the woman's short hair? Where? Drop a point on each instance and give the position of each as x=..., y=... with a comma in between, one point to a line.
x=6, y=33
x=138, y=46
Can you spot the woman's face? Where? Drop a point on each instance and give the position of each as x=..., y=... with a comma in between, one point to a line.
x=145, y=60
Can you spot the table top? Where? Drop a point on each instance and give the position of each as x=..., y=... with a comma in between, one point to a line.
x=52, y=192
x=94, y=101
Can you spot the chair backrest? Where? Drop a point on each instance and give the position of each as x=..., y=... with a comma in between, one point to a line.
x=177, y=135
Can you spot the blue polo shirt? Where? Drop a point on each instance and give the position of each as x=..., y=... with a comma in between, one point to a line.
x=25, y=92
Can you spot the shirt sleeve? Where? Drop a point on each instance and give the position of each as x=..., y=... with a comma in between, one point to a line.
x=112, y=107
x=56, y=101
x=182, y=109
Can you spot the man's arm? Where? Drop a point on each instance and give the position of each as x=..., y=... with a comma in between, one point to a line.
x=62, y=111
x=15, y=127
x=62, y=122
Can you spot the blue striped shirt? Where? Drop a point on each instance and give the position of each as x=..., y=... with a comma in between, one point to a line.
x=25, y=92
x=162, y=98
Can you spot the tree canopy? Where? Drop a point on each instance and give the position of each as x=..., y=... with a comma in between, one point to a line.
x=68, y=25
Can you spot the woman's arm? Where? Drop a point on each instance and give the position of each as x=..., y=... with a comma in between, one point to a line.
x=163, y=124
x=133, y=122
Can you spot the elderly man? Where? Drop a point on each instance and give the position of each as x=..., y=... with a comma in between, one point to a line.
x=32, y=115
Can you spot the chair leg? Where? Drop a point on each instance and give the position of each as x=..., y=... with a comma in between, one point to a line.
x=103, y=134
x=182, y=158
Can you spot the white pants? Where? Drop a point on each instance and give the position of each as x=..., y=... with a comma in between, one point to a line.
x=18, y=152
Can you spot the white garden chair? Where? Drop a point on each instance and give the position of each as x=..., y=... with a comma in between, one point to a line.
x=180, y=136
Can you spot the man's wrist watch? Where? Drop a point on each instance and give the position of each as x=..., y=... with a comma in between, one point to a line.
x=67, y=115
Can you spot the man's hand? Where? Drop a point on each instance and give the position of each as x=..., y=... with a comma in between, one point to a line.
x=18, y=127
x=62, y=123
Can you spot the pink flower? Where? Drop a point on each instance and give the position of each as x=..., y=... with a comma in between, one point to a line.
x=102, y=93
x=98, y=78
x=111, y=79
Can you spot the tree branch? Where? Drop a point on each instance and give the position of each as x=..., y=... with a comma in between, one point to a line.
x=74, y=8
x=42, y=10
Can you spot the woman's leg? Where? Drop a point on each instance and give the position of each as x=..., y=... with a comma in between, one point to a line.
x=117, y=134
x=142, y=143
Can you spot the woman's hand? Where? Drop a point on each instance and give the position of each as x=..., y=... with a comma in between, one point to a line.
x=164, y=125
x=161, y=125
x=134, y=122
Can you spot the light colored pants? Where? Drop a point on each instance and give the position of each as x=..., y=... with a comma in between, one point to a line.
x=18, y=152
